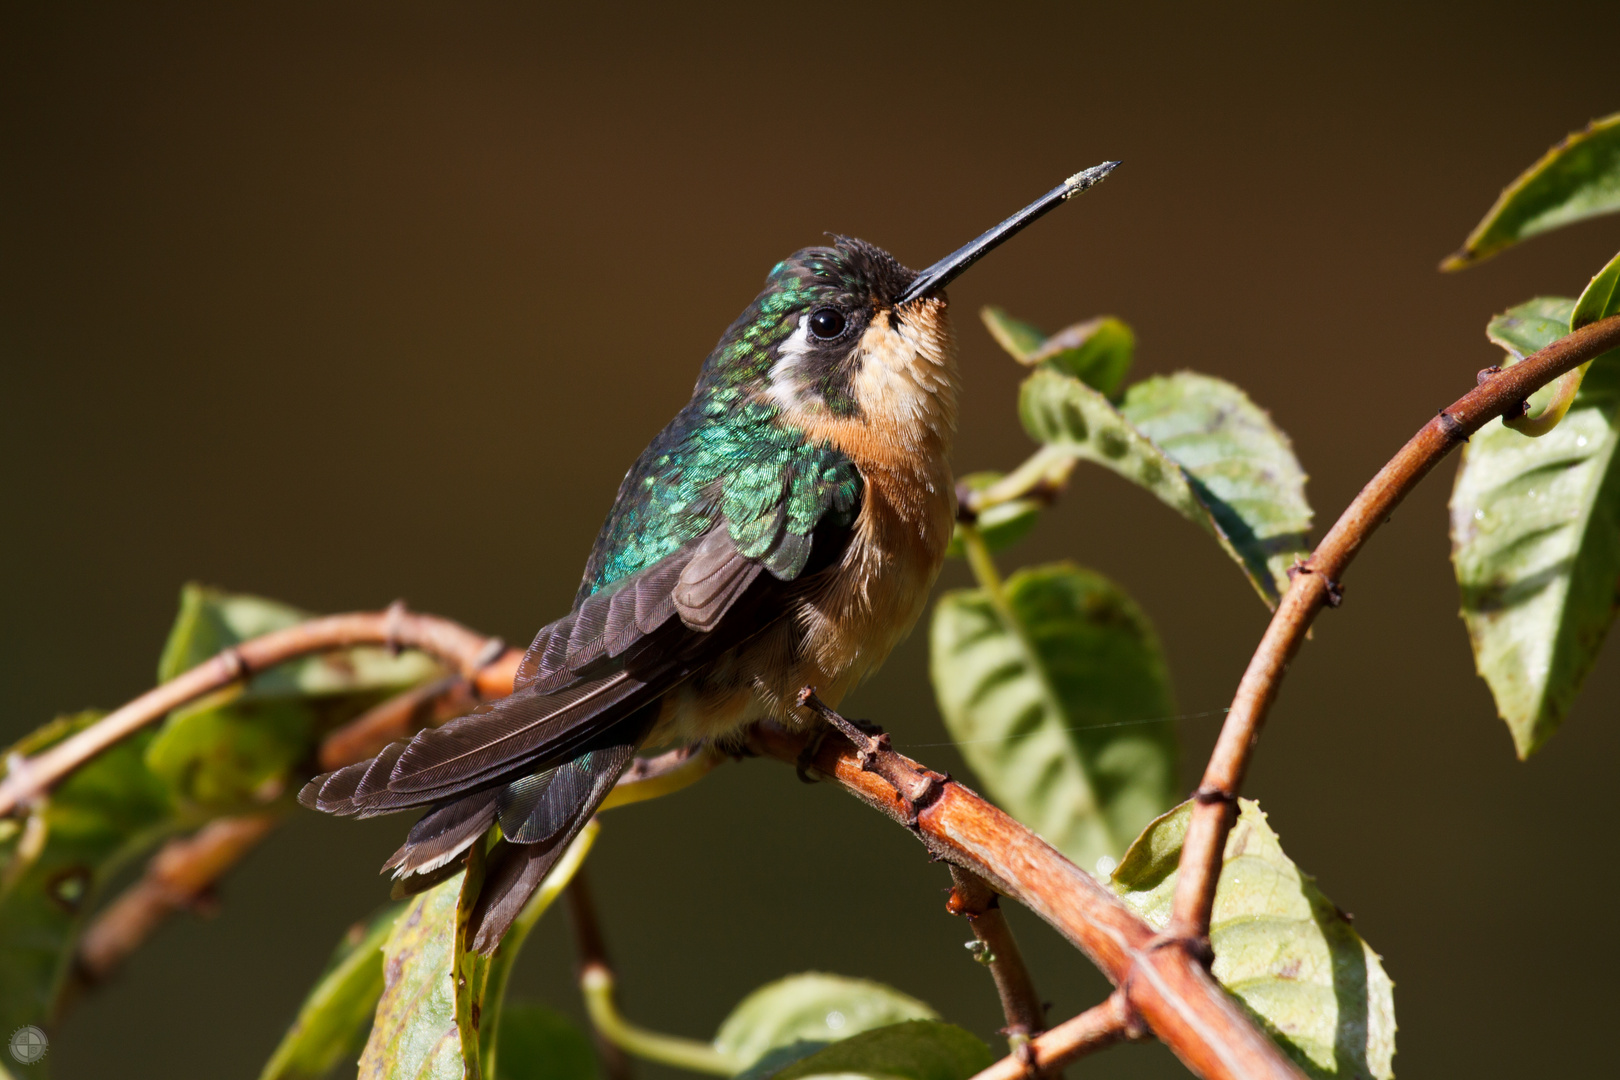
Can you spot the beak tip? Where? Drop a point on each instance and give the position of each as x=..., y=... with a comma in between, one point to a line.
x=1085, y=178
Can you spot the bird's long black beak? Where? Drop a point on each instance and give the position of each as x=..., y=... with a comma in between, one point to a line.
x=945, y=271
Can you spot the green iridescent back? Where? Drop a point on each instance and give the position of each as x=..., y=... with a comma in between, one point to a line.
x=729, y=454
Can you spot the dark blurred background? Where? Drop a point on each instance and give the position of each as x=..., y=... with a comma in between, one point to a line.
x=343, y=305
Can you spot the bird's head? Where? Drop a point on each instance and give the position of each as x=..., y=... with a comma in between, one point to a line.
x=844, y=338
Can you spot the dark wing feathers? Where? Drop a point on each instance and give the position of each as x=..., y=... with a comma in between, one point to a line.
x=541, y=760
x=535, y=809
x=444, y=832
x=619, y=650
x=518, y=729
x=712, y=580
x=605, y=624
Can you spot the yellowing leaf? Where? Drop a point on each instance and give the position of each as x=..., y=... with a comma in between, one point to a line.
x=332, y=1023
x=440, y=1000
x=1579, y=178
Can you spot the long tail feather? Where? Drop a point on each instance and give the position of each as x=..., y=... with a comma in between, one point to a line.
x=444, y=833
x=556, y=813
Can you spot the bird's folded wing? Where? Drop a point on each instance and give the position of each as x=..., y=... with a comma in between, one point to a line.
x=621, y=649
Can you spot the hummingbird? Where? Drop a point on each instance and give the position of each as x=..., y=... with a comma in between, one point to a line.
x=783, y=531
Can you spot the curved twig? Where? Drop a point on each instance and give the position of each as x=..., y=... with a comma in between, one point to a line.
x=1166, y=983
x=593, y=954
x=1097, y=1028
x=977, y=902
x=1316, y=583
x=472, y=654
x=180, y=877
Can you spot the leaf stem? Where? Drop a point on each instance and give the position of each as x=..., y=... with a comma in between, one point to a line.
x=983, y=565
x=1040, y=476
x=596, y=982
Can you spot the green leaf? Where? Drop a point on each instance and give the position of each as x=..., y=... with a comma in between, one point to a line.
x=211, y=619
x=1600, y=298
x=1001, y=525
x=1057, y=693
x=1281, y=947
x=1535, y=533
x=414, y=1032
x=538, y=1043
x=56, y=861
x=1579, y=178
x=335, y=1018
x=914, y=1050
x=813, y=1008
x=440, y=1000
x=238, y=747
x=1550, y=404
x=1202, y=447
x=1098, y=352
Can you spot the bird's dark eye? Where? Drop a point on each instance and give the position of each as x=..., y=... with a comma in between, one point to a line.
x=827, y=323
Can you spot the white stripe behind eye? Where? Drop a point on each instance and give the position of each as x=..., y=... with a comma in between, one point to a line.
x=787, y=380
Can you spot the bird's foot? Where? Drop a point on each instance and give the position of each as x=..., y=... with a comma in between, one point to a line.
x=916, y=787
x=868, y=738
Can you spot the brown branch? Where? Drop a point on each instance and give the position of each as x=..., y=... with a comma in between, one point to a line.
x=1165, y=983
x=593, y=954
x=1097, y=1028
x=998, y=950
x=180, y=877
x=184, y=872
x=28, y=779
x=1317, y=584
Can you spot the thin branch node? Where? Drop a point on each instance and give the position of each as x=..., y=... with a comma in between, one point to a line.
x=1196, y=946
x=1453, y=429
x=393, y=623
x=492, y=651
x=1485, y=375
x=917, y=788
x=1335, y=591
x=1209, y=793
x=1025, y=1052
x=235, y=663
